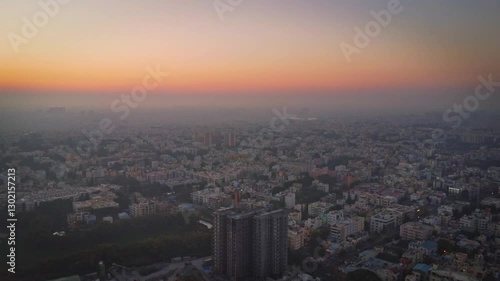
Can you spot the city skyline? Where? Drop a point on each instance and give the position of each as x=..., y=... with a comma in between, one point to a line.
x=240, y=140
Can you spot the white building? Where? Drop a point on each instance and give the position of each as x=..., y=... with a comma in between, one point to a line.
x=290, y=200
x=142, y=209
x=343, y=228
x=389, y=218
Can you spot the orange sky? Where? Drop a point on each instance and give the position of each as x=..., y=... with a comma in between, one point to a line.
x=100, y=47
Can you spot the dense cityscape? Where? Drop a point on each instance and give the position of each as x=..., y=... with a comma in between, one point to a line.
x=315, y=199
x=241, y=140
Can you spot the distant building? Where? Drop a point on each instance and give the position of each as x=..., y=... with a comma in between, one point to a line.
x=295, y=238
x=56, y=110
x=323, y=187
x=290, y=200
x=317, y=208
x=229, y=139
x=478, y=220
x=386, y=201
x=344, y=227
x=123, y=215
x=420, y=271
x=448, y=275
x=295, y=215
x=389, y=218
x=90, y=219
x=212, y=198
x=415, y=231
x=73, y=218
x=428, y=247
x=108, y=219
x=142, y=209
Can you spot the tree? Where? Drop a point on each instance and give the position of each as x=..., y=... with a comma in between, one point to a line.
x=335, y=208
x=278, y=204
x=327, y=179
x=362, y=275
x=445, y=246
x=307, y=195
x=321, y=232
x=350, y=201
x=278, y=189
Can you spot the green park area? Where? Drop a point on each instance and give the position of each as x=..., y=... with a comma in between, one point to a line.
x=129, y=242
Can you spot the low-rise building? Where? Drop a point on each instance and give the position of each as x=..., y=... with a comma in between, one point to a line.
x=449, y=275
x=290, y=200
x=142, y=209
x=415, y=231
x=387, y=219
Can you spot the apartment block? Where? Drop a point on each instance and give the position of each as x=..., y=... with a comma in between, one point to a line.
x=250, y=244
x=142, y=209
x=343, y=228
x=389, y=218
x=415, y=231
x=295, y=238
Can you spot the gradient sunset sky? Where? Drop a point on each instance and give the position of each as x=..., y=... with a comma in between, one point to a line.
x=96, y=48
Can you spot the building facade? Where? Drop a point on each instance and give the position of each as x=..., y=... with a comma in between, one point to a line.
x=250, y=244
x=415, y=231
x=142, y=209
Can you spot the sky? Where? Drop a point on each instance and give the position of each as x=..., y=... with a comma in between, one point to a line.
x=88, y=52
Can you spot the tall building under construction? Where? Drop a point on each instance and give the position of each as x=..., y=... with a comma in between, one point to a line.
x=250, y=245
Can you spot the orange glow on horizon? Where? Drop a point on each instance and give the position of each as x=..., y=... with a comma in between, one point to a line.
x=227, y=77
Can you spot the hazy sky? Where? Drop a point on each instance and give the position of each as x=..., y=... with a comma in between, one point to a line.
x=90, y=49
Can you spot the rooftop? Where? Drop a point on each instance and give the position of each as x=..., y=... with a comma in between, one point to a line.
x=422, y=267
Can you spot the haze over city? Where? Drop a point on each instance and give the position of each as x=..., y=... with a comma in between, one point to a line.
x=240, y=140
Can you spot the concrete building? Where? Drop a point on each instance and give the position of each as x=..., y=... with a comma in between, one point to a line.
x=295, y=215
x=250, y=244
x=229, y=139
x=335, y=216
x=389, y=218
x=448, y=275
x=385, y=201
x=317, y=208
x=290, y=200
x=415, y=231
x=270, y=255
x=340, y=230
x=212, y=198
x=478, y=220
x=343, y=228
x=108, y=219
x=73, y=218
x=295, y=238
x=142, y=209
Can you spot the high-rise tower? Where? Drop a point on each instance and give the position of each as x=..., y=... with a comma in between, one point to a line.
x=250, y=244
